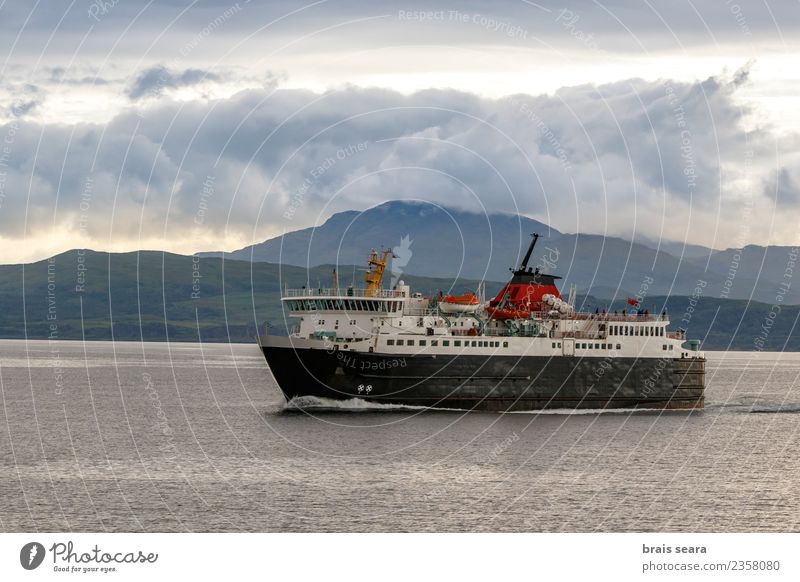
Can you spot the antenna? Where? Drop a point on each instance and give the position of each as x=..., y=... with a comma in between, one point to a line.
x=573, y=291
x=530, y=251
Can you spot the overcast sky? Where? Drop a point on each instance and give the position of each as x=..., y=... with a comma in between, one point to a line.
x=210, y=125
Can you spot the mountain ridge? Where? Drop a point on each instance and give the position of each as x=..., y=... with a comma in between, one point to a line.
x=445, y=242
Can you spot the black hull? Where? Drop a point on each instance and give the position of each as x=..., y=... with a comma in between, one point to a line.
x=491, y=383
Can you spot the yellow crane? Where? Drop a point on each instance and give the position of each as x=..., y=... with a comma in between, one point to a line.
x=374, y=275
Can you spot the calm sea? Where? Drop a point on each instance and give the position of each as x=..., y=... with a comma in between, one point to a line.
x=176, y=437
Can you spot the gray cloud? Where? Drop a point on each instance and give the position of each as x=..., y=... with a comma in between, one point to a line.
x=155, y=80
x=61, y=76
x=26, y=98
x=783, y=187
x=660, y=158
x=616, y=26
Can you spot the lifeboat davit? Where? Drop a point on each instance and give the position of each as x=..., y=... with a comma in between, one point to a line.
x=466, y=303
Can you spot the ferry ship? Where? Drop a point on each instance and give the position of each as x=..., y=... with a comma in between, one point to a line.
x=526, y=349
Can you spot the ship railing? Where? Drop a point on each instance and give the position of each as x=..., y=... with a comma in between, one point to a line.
x=418, y=311
x=579, y=335
x=583, y=316
x=471, y=331
x=360, y=293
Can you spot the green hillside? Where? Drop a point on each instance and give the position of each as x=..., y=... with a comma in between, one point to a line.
x=154, y=296
x=157, y=296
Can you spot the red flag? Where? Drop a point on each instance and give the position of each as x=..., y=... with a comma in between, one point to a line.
x=632, y=301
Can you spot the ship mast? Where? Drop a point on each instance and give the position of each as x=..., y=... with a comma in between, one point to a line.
x=528, y=254
x=373, y=276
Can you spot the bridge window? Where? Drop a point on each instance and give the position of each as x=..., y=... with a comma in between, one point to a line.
x=410, y=342
x=389, y=342
x=422, y=342
x=505, y=344
x=457, y=343
x=400, y=342
x=434, y=343
x=619, y=347
x=445, y=343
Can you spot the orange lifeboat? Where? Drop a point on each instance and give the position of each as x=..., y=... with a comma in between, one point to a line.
x=499, y=313
x=466, y=303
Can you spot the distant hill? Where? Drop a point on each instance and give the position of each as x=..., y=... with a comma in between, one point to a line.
x=439, y=242
x=154, y=296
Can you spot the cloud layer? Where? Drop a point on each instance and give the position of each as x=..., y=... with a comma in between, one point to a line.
x=660, y=159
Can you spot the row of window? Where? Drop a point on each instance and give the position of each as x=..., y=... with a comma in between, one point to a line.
x=636, y=330
x=585, y=346
x=367, y=305
x=599, y=346
x=446, y=343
